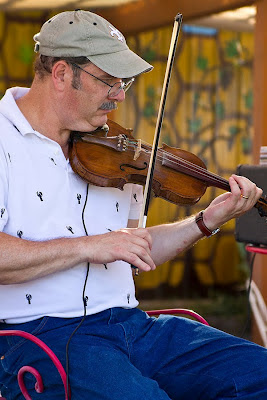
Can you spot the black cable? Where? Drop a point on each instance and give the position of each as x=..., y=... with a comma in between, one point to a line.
x=251, y=264
x=86, y=197
x=83, y=298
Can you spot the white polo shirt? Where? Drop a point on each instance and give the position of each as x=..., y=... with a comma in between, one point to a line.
x=41, y=198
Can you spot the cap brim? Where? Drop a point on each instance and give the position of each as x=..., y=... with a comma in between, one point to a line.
x=122, y=64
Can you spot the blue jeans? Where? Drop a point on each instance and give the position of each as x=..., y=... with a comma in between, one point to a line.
x=124, y=354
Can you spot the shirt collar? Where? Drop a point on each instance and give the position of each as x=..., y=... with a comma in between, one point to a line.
x=10, y=110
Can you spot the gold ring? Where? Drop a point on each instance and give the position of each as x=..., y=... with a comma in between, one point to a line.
x=244, y=197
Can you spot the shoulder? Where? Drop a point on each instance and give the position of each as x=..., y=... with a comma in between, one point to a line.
x=10, y=115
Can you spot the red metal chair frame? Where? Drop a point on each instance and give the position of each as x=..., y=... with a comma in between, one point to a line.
x=39, y=387
x=178, y=311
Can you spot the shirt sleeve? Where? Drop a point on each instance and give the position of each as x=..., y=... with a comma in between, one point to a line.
x=3, y=189
x=136, y=202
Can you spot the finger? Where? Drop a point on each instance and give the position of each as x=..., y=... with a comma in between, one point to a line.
x=249, y=193
x=132, y=241
x=142, y=233
x=140, y=248
x=246, y=186
x=233, y=200
x=235, y=185
x=140, y=259
x=133, y=248
x=242, y=188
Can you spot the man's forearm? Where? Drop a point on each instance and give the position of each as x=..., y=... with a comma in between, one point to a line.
x=23, y=260
x=171, y=239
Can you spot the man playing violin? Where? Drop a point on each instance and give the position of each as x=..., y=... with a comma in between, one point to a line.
x=66, y=247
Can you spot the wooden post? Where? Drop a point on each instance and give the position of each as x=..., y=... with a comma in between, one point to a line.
x=260, y=126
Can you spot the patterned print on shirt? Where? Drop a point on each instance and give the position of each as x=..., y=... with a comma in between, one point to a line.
x=9, y=157
x=117, y=206
x=19, y=233
x=40, y=195
x=105, y=265
x=79, y=198
x=16, y=128
x=29, y=297
x=85, y=300
x=70, y=229
x=135, y=197
x=2, y=212
x=51, y=158
x=128, y=298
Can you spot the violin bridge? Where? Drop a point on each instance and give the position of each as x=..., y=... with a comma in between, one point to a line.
x=137, y=150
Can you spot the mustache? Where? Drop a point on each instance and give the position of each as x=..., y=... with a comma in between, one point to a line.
x=109, y=105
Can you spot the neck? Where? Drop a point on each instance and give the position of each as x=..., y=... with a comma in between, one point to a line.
x=41, y=114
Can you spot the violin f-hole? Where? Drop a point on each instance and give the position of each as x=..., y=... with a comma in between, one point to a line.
x=133, y=166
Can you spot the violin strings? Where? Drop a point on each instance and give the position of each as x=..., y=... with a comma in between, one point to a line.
x=189, y=166
x=200, y=173
x=186, y=165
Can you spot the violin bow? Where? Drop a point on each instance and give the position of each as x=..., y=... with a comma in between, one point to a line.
x=149, y=179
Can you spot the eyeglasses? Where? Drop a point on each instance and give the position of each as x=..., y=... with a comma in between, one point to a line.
x=114, y=89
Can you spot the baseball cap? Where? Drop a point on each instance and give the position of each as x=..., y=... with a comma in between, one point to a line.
x=82, y=33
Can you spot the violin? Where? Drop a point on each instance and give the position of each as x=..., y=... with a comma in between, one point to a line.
x=113, y=157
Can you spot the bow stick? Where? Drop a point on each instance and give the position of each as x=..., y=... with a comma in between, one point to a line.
x=149, y=179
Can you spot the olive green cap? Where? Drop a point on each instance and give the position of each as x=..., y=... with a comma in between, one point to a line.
x=83, y=33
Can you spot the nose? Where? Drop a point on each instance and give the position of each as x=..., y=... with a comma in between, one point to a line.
x=120, y=97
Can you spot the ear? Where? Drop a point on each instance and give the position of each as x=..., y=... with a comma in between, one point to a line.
x=61, y=75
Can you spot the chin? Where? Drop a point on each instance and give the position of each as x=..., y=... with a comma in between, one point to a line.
x=99, y=121
x=92, y=124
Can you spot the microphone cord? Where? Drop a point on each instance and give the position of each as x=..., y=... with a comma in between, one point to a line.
x=84, y=299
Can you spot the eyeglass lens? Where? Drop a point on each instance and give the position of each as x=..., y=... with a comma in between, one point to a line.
x=118, y=86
